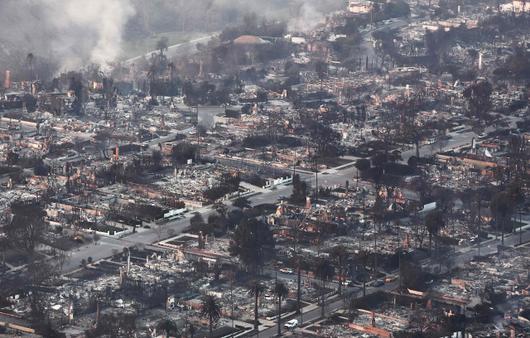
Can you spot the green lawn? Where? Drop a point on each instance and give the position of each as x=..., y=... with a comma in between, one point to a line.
x=132, y=48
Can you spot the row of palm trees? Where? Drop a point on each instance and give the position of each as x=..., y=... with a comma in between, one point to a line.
x=257, y=289
x=211, y=309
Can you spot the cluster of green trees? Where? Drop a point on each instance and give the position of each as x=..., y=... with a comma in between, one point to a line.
x=252, y=25
x=182, y=152
x=517, y=65
x=300, y=190
x=228, y=183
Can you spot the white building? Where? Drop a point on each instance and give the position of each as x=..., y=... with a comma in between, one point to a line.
x=360, y=7
x=516, y=6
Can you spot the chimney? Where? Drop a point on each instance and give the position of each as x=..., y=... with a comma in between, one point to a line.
x=98, y=312
x=7, y=80
x=71, y=311
x=201, y=240
x=128, y=261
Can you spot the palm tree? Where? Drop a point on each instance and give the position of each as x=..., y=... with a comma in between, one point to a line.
x=281, y=291
x=256, y=290
x=434, y=222
x=168, y=326
x=501, y=206
x=162, y=45
x=325, y=271
x=210, y=310
x=339, y=254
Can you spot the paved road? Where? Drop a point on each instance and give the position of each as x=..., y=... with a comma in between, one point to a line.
x=107, y=245
x=327, y=178
x=176, y=50
x=461, y=257
x=311, y=314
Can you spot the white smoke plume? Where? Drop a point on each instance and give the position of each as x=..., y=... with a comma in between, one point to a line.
x=307, y=19
x=72, y=32
x=90, y=31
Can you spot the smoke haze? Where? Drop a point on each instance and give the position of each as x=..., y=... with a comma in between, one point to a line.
x=74, y=33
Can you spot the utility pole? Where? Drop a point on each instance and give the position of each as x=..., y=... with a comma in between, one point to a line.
x=316, y=181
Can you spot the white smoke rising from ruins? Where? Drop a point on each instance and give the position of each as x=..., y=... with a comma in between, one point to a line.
x=91, y=31
x=307, y=19
x=72, y=32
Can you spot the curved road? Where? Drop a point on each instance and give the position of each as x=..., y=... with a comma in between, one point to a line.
x=176, y=50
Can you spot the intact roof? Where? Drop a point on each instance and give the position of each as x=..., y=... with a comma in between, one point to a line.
x=250, y=40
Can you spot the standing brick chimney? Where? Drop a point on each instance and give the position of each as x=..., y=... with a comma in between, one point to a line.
x=7, y=80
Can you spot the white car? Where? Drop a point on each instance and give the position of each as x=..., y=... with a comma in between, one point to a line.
x=291, y=324
x=287, y=271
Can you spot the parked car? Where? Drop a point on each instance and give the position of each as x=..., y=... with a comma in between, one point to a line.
x=287, y=270
x=291, y=324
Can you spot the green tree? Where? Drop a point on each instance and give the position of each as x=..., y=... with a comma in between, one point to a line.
x=253, y=243
x=281, y=291
x=362, y=164
x=478, y=96
x=210, y=310
x=182, y=152
x=299, y=190
x=197, y=223
x=27, y=226
x=241, y=203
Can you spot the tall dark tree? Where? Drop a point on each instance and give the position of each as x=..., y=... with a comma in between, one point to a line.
x=210, y=310
x=253, y=243
x=362, y=164
x=325, y=272
x=77, y=86
x=478, y=96
x=281, y=291
x=156, y=159
x=197, y=223
x=299, y=193
x=339, y=256
x=241, y=203
x=27, y=227
x=434, y=222
x=502, y=209
x=256, y=289
x=321, y=68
